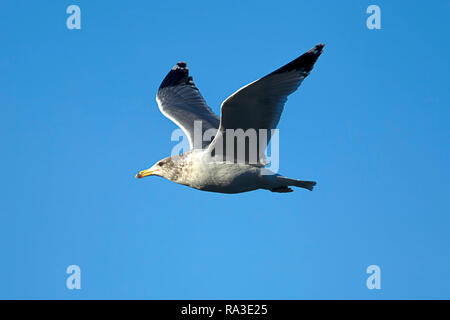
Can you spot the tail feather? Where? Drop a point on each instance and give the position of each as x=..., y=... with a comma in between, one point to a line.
x=283, y=189
x=297, y=183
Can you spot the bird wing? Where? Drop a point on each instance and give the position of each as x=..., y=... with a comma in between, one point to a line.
x=180, y=100
x=259, y=104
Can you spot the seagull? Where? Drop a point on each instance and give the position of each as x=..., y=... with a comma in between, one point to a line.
x=256, y=106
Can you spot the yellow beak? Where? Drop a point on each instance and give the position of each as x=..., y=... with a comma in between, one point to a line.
x=146, y=173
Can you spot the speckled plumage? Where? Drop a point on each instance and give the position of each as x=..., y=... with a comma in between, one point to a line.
x=256, y=106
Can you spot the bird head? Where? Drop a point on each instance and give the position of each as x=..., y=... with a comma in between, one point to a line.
x=155, y=170
x=167, y=168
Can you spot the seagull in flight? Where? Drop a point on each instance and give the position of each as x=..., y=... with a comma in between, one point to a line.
x=210, y=165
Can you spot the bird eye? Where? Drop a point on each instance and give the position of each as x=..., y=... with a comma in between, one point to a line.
x=160, y=163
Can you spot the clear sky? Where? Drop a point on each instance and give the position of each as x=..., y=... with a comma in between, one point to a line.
x=79, y=119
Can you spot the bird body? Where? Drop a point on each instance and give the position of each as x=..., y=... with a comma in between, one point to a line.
x=211, y=165
x=224, y=177
x=197, y=170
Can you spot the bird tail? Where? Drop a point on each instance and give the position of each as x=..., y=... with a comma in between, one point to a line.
x=285, y=182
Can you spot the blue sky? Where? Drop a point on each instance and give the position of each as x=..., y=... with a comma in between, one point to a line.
x=79, y=119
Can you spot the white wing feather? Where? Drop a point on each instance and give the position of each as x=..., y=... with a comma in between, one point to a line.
x=259, y=104
x=180, y=100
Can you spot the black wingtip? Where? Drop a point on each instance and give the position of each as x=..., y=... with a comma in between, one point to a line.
x=181, y=64
x=317, y=50
x=305, y=62
x=178, y=75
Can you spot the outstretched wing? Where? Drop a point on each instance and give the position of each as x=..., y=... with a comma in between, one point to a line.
x=259, y=105
x=180, y=100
